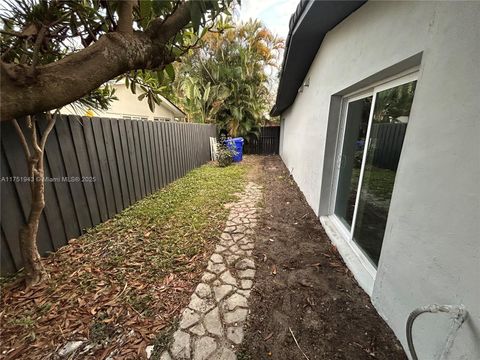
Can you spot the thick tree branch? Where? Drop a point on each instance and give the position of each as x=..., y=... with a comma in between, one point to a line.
x=125, y=16
x=62, y=82
x=36, y=48
x=175, y=7
x=163, y=30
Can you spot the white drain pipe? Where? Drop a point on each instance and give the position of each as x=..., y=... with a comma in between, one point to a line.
x=459, y=316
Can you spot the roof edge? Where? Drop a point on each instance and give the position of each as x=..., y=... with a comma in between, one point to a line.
x=309, y=24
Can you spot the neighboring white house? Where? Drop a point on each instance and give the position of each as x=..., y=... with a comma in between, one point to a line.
x=129, y=107
x=380, y=128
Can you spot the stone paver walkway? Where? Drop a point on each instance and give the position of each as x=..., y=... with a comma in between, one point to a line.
x=211, y=327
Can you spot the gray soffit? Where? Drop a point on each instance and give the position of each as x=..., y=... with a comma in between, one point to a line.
x=308, y=26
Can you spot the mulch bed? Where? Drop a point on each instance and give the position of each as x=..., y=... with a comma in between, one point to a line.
x=302, y=286
x=87, y=303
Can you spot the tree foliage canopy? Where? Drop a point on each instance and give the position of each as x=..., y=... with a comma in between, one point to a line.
x=55, y=52
x=394, y=103
x=225, y=79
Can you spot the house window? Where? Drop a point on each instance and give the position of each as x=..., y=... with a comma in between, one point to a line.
x=161, y=119
x=373, y=130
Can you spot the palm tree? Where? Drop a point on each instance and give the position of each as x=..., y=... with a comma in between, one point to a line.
x=225, y=80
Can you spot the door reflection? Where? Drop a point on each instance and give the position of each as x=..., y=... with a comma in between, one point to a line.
x=389, y=124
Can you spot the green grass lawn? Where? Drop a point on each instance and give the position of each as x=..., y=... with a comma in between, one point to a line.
x=134, y=272
x=379, y=181
x=176, y=222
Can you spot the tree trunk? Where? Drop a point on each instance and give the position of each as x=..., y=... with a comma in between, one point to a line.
x=34, y=270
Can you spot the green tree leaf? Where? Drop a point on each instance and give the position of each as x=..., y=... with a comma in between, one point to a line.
x=151, y=102
x=170, y=71
x=196, y=14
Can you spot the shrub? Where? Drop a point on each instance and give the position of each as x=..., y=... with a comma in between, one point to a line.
x=225, y=154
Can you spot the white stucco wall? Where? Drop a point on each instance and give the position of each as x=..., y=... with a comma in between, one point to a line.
x=431, y=249
x=129, y=105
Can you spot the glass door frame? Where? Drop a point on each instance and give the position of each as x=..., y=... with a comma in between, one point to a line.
x=373, y=90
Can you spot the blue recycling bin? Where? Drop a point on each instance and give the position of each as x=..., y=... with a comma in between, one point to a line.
x=237, y=145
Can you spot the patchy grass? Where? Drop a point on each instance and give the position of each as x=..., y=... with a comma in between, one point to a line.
x=124, y=281
x=163, y=340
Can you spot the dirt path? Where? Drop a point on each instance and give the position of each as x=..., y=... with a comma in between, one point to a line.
x=301, y=284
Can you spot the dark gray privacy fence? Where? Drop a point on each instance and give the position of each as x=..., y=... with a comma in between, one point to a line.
x=267, y=143
x=388, y=144
x=94, y=168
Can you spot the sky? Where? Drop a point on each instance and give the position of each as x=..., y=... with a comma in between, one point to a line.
x=275, y=14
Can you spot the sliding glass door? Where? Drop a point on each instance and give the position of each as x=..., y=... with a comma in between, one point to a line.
x=355, y=134
x=374, y=130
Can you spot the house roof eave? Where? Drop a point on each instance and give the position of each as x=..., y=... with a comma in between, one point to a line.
x=308, y=26
x=173, y=107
